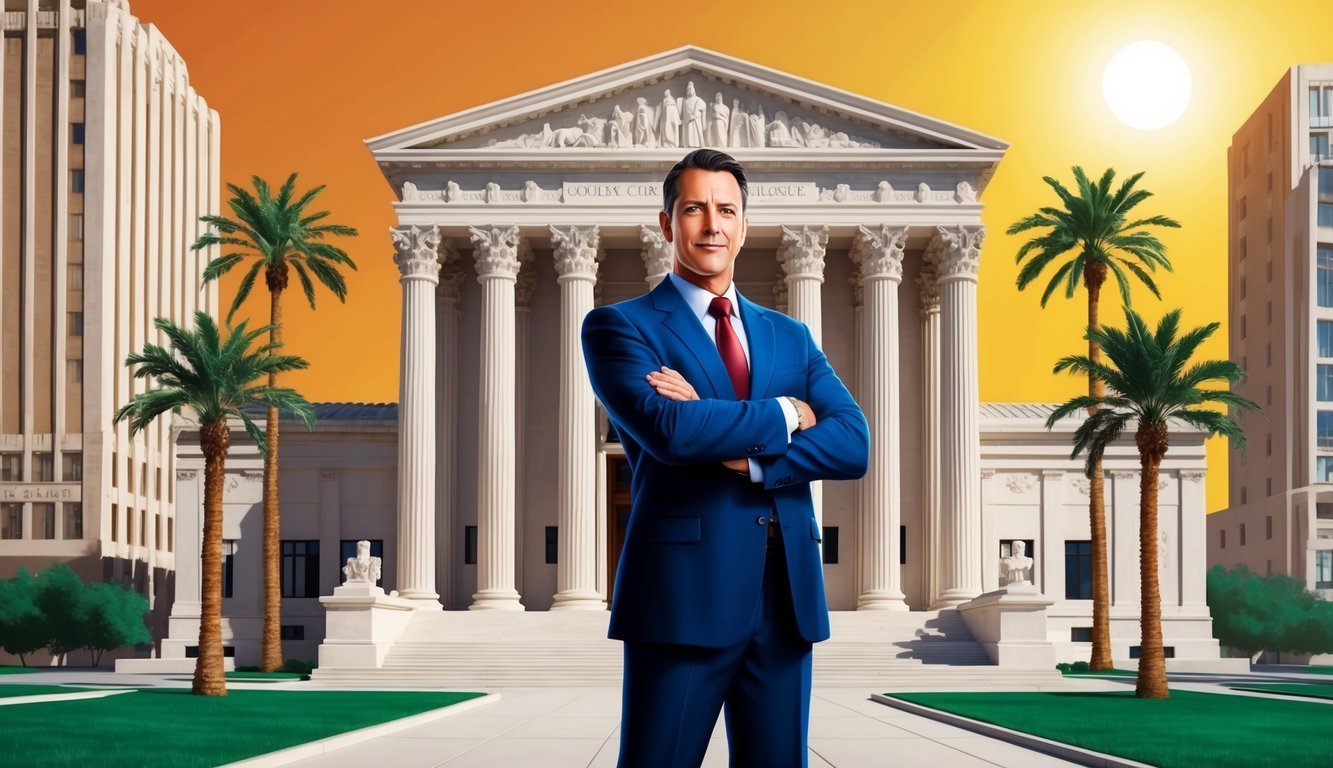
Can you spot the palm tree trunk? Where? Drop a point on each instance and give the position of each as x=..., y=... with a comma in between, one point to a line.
x=1101, y=594
x=1151, y=683
x=271, y=648
x=209, y=676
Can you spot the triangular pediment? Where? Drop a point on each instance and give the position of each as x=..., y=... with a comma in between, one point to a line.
x=680, y=99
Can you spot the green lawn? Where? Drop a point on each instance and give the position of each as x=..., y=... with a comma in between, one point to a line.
x=267, y=676
x=18, y=670
x=1319, y=669
x=1188, y=729
x=195, y=730
x=1311, y=690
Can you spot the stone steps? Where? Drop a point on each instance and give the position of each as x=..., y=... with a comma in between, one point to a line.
x=484, y=649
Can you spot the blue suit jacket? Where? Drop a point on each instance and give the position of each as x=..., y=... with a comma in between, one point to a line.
x=691, y=569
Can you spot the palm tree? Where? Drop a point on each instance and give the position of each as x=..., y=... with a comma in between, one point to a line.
x=1151, y=380
x=1093, y=230
x=216, y=379
x=282, y=237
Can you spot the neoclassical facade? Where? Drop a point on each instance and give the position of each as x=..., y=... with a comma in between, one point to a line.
x=509, y=491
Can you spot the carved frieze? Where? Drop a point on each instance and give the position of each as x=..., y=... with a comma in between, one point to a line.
x=684, y=121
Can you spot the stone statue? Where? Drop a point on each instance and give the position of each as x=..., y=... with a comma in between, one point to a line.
x=695, y=115
x=363, y=567
x=779, y=133
x=719, y=128
x=1017, y=567
x=754, y=136
x=739, y=125
x=644, y=129
x=622, y=127
x=594, y=132
x=668, y=121
x=409, y=191
x=452, y=192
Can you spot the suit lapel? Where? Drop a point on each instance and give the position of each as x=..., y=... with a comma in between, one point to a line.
x=682, y=322
x=759, y=335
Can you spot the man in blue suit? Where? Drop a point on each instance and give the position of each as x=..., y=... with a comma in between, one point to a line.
x=727, y=412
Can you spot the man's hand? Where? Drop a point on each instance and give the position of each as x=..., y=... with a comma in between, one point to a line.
x=806, y=413
x=671, y=385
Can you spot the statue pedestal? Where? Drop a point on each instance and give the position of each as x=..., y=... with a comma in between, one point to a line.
x=362, y=624
x=1010, y=624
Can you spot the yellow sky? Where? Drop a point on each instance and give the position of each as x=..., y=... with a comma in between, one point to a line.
x=301, y=83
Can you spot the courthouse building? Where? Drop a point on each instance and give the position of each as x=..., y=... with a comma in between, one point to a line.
x=110, y=158
x=503, y=487
x=1280, y=180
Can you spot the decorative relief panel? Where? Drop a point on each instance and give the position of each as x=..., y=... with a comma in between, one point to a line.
x=686, y=120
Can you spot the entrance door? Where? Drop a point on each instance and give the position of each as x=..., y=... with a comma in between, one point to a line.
x=617, y=506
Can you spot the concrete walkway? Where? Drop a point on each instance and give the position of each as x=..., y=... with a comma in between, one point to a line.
x=578, y=728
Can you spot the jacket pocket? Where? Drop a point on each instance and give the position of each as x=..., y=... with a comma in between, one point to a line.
x=668, y=529
x=814, y=531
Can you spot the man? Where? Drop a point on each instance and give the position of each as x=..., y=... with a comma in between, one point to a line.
x=727, y=411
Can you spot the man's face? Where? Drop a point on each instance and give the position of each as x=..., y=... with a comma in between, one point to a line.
x=707, y=227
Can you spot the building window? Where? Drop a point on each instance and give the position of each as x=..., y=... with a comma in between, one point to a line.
x=44, y=521
x=115, y=523
x=228, y=566
x=1324, y=383
x=1268, y=445
x=902, y=545
x=1240, y=208
x=1222, y=539
x=171, y=534
x=347, y=551
x=74, y=277
x=76, y=226
x=292, y=631
x=470, y=545
x=11, y=467
x=1326, y=338
x=1326, y=182
x=76, y=132
x=300, y=568
x=1242, y=534
x=73, y=530
x=75, y=323
x=76, y=181
x=552, y=545
x=43, y=467
x=1268, y=354
x=11, y=521
x=1324, y=278
x=830, y=545
x=1168, y=651
x=78, y=89
x=1324, y=214
x=71, y=466
x=1324, y=469
x=1323, y=569
x=1078, y=570
x=1324, y=423
x=80, y=42
x=143, y=527
x=1318, y=147
x=1244, y=492
x=1080, y=634
x=1268, y=527
x=74, y=371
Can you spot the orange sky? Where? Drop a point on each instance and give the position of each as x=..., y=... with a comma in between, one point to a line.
x=300, y=84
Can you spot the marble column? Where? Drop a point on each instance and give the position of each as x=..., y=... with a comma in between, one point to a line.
x=928, y=285
x=448, y=312
x=525, y=289
x=576, y=256
x=960, y=429
x=1193, y=529
x=801, y=257
x=879, y=255
x=1122, y=524
x=658, y=255
x=418, y=261
x=495, y=249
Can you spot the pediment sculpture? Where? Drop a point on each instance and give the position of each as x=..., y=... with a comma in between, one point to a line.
x=685, y=121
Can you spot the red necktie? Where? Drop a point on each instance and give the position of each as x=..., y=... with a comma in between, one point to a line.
x=729, y=346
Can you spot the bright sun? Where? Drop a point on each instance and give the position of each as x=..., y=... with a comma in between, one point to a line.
x=1147, y=85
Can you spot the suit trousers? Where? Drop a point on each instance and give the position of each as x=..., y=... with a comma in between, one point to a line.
x=673, y=693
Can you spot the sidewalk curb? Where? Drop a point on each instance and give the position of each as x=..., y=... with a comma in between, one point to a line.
x=323, y=746
x=1026, y=740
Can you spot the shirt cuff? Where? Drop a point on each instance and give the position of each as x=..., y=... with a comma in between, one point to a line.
x=789, y=412
x=756, y=471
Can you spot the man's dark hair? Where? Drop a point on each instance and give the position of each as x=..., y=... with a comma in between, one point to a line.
x=704, y=160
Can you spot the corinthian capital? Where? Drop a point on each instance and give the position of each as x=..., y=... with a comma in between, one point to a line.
x=416, y=251
x=961, y=254
x=576, y=252
x=802, y=252
x=878, y=252
x=495, y=250
x=657, y=253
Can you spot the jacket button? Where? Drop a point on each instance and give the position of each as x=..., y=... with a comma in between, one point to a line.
x=761, y=520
